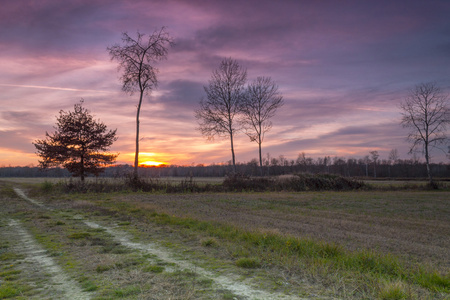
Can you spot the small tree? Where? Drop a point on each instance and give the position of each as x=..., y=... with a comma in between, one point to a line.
x=78, y=144
x=136, y=59
x=393, y=159
x=375, y=156
x=426, y=113
x=261, y=102
x=219, y=112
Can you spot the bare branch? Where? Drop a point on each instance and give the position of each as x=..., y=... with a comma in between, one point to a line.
x=261, y=102
x=219, y=112
x=426, y=113
x=136, y=58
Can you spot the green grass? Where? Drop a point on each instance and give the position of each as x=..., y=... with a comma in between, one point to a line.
x=154, y=269
x=368, y=272
x=79, y=235
x=271, y=247
x=5, y=256
x=9, y=290
x=210, y=242
x=127, y=291
x=87, y=284
x=248, y=262
x=393, y=291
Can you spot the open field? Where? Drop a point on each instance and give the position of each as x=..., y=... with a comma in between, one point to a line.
x=309, y=245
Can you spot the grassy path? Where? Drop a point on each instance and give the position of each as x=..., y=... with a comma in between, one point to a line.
x=222, y=282
x=317, y=245
x=35, y=258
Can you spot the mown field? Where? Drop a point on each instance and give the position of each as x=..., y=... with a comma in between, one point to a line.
x=370, y=244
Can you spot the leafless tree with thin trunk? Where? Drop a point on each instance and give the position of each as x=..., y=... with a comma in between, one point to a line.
x=375, y=156
x=262, y=99
x=393, y=158
x=219, y=113
x=426, y=113
x=137, y=57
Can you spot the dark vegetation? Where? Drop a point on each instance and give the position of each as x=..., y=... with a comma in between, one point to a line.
x=404, y=169
x=232, y=183
x=302, y=182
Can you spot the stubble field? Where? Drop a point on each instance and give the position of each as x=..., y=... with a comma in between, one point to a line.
x=308, y=245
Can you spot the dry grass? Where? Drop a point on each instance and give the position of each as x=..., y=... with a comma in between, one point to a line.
x=413, y=224
x=410, y=224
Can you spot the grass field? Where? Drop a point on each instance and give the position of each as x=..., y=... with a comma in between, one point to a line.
x=313, y=245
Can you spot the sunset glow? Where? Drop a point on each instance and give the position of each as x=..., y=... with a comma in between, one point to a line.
x=342, y=68
x=150, y=163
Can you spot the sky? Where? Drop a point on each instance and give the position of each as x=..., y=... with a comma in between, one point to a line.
x=342, y=67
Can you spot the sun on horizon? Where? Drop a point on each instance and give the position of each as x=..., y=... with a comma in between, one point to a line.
x=151, y=163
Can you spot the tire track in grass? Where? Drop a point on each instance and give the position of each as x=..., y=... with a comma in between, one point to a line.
x=234, y=285
x=22, y=195
x=222, y=282
x=64, y=287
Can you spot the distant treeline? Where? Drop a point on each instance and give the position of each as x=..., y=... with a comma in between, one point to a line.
x=345, y=167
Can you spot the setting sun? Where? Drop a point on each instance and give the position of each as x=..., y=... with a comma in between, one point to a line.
x=151, y=163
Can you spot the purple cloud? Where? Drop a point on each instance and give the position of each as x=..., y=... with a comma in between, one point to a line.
x=342, y=67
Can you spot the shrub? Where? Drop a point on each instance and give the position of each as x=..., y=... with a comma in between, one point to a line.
x=295, y=183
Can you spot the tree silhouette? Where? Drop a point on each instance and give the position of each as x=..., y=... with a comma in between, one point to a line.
x=262, y=99
x=219, y=112
x=426, y=113
x=136, y=59
x=78, y=144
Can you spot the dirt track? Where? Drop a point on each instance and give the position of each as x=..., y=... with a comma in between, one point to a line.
x=111, y=237
x=36, y=260
x=61, y=286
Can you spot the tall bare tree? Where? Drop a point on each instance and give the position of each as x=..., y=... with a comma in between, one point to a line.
x=426, y=113
x=219, y=113
x=136, y=57
x=262, y=99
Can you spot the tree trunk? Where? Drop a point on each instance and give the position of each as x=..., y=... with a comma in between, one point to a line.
x=136, y=155
x=260, y=158
x=82, y=168
x=427, y=159
x=232, y=152
x=260, y=154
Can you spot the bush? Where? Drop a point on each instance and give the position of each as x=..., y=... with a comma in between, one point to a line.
x=239, y=183
x=295, y=183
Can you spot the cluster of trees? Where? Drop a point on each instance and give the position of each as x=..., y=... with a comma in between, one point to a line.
x=230, y=106
x=348, y=167
x=80, y=143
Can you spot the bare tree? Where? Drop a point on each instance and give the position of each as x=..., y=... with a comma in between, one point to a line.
x=393, y=158
x=375, y=156
x=261, y=102
x=426, y=113
x=136, y=59
x=219, y=112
